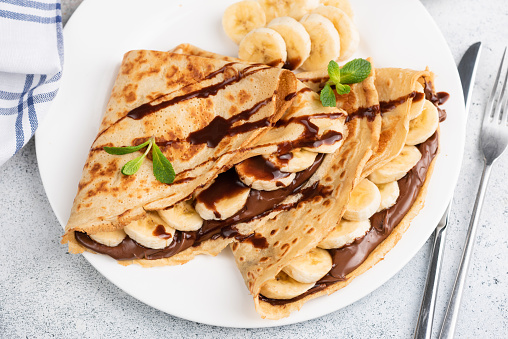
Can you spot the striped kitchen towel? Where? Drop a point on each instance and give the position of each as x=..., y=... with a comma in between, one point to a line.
x=31, y=60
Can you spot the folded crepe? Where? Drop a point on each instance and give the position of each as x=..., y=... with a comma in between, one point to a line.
x=225, y=126
x=299, y=265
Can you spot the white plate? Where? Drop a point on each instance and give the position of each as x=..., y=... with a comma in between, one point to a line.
x=396, y=33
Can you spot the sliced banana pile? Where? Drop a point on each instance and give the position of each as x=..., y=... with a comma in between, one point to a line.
x=293, y=34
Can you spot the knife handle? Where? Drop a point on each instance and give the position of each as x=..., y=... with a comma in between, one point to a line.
x=426, y=316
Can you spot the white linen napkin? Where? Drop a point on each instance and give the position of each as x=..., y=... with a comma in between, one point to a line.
x=31, y=60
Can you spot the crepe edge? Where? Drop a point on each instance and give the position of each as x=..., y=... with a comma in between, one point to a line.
x=276, y=312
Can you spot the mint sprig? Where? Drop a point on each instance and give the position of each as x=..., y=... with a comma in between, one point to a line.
x=353, y=72
x=162, y=168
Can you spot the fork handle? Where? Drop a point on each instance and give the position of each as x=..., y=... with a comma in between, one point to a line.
x=426, y=316
x=452, y=312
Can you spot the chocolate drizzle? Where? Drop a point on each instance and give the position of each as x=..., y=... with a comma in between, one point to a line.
x=364, y=112
x=225, y=185
x=387, y=106
x=419, y=96
x=309, y=137
x=259, y=204
x=148, y=108
x=262, y=169
x=160, y=232
x=292, y=63
x=436, y=98
x=219, y=127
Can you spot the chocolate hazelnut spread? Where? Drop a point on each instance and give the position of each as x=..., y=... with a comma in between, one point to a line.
x=349, y=257
x=262, y=169
x=259, y=204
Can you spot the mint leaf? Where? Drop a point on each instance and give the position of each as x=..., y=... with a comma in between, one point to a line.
x=334, y=71
x=162, y=168
x=342, y=89
x=125, y=150
x=133, y=166
x=327, y=97
x=355, y=71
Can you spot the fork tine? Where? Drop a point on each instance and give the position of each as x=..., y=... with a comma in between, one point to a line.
x=504, y=104
x=500, y=109
x=490, y=112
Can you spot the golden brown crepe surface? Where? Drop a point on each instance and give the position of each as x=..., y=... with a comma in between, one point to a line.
x=295, y=232
x=106, y=199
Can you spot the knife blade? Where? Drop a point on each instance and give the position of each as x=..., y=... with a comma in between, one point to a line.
x=467, y=72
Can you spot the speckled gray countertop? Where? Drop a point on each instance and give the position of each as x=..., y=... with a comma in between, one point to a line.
x=45, y=292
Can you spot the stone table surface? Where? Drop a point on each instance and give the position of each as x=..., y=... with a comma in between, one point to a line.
x=45, y=292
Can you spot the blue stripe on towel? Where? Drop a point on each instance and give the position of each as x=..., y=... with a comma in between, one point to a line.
x=29, y=17
x=33, y=4
x=20, y=136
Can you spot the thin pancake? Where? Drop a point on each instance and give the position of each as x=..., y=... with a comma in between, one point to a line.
x=294, y=233
x=171, y=96
x=392, y=85
x=288, y=130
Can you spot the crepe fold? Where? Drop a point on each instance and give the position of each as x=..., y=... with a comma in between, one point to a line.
x=171, y=96
x=296, y=232
x=293, y=234
x=283, y=115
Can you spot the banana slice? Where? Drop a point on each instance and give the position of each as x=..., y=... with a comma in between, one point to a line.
x=389, y=194
x=262, y=175
x=224, y=206
x=348, y=33
x=265, y=46
x=397, y=167
x=364, y=201
x=294, y=8
x=182, y=216
x=284, y=287
x=112, y=239
x=423, y=126
x=242, y=17
x=292, y=162
x=345, y=233
x=325, y=42
x=417, y=106
x=151, y=232
x=296, y=38
x=340, y=4
x=310, y=267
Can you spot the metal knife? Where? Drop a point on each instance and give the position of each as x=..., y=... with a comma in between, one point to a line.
x=467, y=72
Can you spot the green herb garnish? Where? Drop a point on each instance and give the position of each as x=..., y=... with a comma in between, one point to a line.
x=162, y=168
x=353, y=72
x=126, y=150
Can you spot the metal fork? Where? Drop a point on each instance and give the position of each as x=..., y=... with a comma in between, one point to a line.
x=493, y=141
